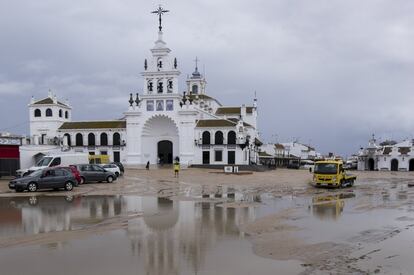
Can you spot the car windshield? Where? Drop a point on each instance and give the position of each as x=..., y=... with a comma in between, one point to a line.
x=326, y=168
x=44, y=161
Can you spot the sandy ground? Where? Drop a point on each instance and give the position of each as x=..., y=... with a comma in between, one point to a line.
x=272, y=236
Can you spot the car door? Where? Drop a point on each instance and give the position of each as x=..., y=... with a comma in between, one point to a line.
x=88, y=173
x=59, y=178
x=47, y=179
x=99, y=172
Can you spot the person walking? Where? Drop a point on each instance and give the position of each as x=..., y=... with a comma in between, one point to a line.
x=147, y=166
x=176, y=168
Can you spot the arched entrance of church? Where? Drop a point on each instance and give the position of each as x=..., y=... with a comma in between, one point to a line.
x=394, y=165
x=165, y=152
x=371, y=164
x=411, y=166
x=160, y=140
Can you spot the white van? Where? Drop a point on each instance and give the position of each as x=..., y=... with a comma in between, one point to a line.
x=55, y=160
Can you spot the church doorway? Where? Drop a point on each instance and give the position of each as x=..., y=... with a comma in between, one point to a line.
x=371, y=164
x=411, y=168
x=394, y=165
x=206, y=157
x=165, y=152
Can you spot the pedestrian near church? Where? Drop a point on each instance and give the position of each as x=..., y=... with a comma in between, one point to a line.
x=176, y=167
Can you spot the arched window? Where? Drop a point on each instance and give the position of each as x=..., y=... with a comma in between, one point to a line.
x=37, y=113
x=79, y=139
x=104, y=139
x=150, y=87
x=194, y=89
x=60, y=113
x=68, y=139
x=231, y=137
x=91, y=139
x=206, y=137
x=218, y=137
x=66, y=114
x=116, y=139
x=49, y=112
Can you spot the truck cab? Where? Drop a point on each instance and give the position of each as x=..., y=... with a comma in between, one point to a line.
x=331, y=173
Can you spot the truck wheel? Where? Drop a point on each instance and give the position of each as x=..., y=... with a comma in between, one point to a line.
x=343, y=184
x=351, y=183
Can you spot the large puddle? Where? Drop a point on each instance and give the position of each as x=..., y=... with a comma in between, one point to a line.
x=354, y=230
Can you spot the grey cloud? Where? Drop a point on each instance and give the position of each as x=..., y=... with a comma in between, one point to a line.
x=329, y=72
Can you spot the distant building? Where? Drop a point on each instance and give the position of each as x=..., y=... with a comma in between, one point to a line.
x=9, y=154
x=388, y=157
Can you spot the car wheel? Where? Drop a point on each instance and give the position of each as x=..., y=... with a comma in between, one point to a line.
x=82, y=181
x=68, y=186
x=109, y=179
x=32, y=187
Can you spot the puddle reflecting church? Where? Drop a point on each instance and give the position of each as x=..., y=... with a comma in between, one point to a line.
x=159, y=124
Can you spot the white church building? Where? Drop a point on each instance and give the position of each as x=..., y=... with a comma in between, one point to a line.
x=158, y=125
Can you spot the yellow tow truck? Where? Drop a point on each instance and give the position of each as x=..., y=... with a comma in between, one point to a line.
x=331, y=173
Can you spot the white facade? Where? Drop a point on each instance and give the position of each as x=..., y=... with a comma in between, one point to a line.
x=300, y=150
x=396, y=157
x=159, y=125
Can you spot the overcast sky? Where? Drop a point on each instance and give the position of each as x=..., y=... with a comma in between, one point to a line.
x=328, y=72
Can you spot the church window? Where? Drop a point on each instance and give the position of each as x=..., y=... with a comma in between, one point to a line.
x=49, y=112
x=218, y=155
x=79, y=139
x=231, y=137
x=194, y=89
x=116, y=139
x=91, y=139
x=218, y=137
x=159, y=63
x=66, y=114
x=104, y=139
x=150, y=87
x=150, y=105
x=206, y=138
x=60, y=113
x=160, y=105
x=160, y=87
x=169, y=105
x=37, y=113
x=170, y=86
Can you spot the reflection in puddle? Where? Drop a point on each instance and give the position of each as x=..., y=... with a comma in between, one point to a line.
x=171, y=237
x=329, y=206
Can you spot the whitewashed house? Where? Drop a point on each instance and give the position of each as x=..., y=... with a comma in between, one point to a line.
x=397, y=157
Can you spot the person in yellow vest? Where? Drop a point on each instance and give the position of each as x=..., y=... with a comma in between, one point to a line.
x=176, y=167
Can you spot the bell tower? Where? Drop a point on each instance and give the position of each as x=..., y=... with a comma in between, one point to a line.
x=160, y=72
x=196, y=83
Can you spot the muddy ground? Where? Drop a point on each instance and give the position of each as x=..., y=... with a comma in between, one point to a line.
x=365, y=229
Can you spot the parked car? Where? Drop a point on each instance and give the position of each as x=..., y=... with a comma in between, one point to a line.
x=120, y=165
x=49, y=178
x=112, y=168
x=94, y=172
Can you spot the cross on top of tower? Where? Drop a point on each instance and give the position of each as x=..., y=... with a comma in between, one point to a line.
x=196, y=63
x=160, y=11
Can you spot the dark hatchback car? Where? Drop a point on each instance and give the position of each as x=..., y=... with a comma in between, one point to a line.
x=93, y=173
x=53, y=178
